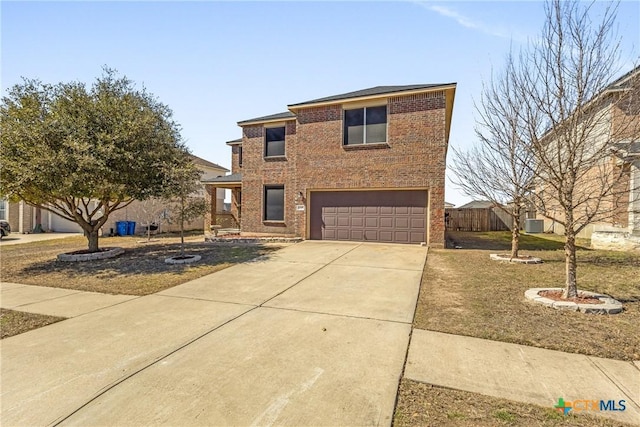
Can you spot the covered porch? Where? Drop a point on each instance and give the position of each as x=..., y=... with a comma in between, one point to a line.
x=216, y=217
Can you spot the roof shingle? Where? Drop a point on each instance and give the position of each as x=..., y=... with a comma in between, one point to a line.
x=378, y=90
x=284, y=115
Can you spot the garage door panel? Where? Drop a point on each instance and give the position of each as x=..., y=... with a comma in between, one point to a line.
x=385, y=236
x=418, y=222
x=356, y=235
x=386, y=222
x=343, y=234
x=330, y=221
x=377, y=216
x=418, y=236
x=371, y=210
x=401, y=222
x=330, y=234
x=357, y=221
x=401, y=236
x=371, y=235
x=371, y=222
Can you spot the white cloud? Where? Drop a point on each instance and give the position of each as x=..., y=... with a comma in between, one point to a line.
x=467, y=22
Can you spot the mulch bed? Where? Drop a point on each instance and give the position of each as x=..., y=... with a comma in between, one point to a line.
x=87, y=251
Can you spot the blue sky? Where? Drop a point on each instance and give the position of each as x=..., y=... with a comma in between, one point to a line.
x=216, y=63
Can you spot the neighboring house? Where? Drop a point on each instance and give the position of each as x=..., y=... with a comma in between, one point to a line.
x=448, y=205
x=367, y=165
x=619, y=105
x=138, y=210
x=24, y=218
x=478, y=204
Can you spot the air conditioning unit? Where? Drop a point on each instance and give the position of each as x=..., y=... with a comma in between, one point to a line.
x=534, y=226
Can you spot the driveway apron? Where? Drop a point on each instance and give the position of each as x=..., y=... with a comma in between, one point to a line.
x=315, y=334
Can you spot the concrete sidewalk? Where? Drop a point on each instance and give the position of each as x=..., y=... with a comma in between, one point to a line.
x=19, y=238
x=55, y=301
x=314, y=334
x=522, y=373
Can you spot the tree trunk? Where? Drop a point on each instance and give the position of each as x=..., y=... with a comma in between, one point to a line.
x=182, y=208
x=181, y=239
x=571, y=285
x=92, y=237
x=515, y=235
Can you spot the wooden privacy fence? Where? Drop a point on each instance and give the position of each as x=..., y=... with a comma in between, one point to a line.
x=476, y=220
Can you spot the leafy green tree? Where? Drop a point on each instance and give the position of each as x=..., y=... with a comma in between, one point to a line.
x=83, y=153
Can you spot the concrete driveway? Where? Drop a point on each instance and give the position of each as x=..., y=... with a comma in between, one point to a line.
x=314, y=334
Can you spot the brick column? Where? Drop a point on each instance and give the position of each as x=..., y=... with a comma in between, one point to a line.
x=210, y=199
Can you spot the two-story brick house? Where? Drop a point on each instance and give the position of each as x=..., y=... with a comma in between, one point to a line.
x=365, y=166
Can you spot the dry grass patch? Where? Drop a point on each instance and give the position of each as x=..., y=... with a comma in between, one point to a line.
x=141, y=270
x=16, y=322
x=426, y=405
x=465, y=293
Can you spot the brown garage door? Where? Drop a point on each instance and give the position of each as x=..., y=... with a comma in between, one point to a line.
x=375, y=216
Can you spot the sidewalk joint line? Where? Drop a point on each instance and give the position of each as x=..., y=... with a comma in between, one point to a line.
x=207, y=300
x=309, y=275
x=119, y=381
x=613, y=381
x=349, y=316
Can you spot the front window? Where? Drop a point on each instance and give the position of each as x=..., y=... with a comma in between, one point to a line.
x=274, y=203
x=3, y=209
x=365, y=125
x=274, y=142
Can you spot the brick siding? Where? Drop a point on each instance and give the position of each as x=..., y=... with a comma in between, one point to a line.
x=316, y=159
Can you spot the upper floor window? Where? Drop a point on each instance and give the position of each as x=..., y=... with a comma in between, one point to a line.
x=365, y=125
x=274, y=142
x=240, y=156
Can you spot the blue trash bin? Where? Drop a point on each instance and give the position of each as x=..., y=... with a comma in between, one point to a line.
x=121, y=228
x=131, y=227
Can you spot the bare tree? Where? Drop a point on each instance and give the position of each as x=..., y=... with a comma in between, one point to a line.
x=570, y=113
x=184, y=198
x=499, y=167
x=153, y=212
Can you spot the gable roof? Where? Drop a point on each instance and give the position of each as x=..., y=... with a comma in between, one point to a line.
x=206, y=163
x=373, y=91
x=233, y=178
x=623, y=82
x=270, y=118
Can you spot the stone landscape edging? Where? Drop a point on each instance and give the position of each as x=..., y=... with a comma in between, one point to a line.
x=103, y=254
x=530, y=260
x=608, y=305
